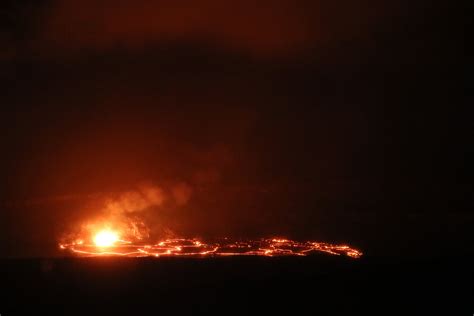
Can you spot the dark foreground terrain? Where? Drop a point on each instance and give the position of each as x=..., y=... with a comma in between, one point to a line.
x=246, y=285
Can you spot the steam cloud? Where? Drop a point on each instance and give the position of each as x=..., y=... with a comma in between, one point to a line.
x=128, y=210
x=146, y=197
x=135, y=201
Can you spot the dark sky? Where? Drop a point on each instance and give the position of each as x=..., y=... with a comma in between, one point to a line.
x=328, y=120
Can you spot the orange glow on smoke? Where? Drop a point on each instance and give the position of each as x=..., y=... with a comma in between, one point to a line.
x=106, y=238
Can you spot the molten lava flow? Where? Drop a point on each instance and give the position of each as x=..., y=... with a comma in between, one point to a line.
x=106, y=238
x=119, y=230
x=108, y=243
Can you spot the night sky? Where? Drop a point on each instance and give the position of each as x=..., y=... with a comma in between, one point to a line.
x=336, y=121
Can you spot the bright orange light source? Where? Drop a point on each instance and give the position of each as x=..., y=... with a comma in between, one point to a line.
x=106, y=238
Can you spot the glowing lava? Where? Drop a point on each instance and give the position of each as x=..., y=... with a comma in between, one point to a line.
x=130, y=241
x=106, y=238
x=179, y=247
